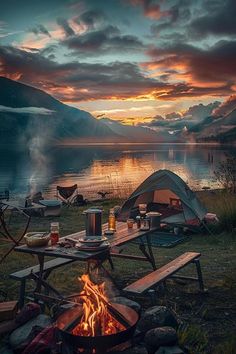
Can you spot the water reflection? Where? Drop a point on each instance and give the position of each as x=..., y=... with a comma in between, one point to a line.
x=118, y=170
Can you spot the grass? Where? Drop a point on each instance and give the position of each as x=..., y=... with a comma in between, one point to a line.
x=209, y=319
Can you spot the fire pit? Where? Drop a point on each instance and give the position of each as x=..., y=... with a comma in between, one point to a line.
x=93, y=324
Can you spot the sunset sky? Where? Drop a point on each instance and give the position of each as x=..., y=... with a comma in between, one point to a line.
x=125, y=59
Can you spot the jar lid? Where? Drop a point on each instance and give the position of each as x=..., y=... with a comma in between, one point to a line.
x=153, y=213
x=92, y=211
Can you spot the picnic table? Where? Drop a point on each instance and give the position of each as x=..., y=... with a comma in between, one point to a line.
x=122, y=236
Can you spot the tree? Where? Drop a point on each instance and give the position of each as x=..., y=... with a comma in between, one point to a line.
x=226, y=173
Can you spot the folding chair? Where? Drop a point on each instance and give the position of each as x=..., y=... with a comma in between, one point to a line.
x=67, y=194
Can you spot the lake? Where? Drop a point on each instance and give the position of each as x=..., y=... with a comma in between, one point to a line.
x=117, y=169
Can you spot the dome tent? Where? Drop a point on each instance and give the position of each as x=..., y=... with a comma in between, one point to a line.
x=168, y=194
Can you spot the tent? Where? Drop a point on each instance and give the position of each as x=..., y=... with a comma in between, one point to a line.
x=168, y=194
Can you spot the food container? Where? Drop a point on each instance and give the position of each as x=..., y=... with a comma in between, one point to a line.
x=37, y=239
x=155, y=219
x=92, y=241
x=145, y=224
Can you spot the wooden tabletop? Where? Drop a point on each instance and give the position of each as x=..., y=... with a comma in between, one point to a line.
x=122, y=236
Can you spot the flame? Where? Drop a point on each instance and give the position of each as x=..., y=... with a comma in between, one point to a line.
x=96, y=319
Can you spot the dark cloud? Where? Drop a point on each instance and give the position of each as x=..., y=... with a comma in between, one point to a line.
x=91, y=18
x=201, y=111
x=40, y=29
x=108, y=39
x=77, y=81
x=63, y=23
x=219, y=20
x=214, y=65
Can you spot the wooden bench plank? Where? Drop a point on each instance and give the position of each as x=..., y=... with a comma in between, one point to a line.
x=50, y=265
x=162, y=273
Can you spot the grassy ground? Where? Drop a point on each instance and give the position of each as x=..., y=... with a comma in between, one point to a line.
x=209, y=320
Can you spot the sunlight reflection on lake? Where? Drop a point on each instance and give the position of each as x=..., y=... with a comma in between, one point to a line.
x=117, y=170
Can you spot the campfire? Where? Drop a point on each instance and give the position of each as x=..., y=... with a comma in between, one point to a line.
x=94, y=324
x=97, y=318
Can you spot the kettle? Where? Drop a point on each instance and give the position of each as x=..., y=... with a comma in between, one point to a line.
x=93, y=222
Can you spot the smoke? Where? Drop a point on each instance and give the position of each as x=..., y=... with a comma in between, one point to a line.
x=39, y=134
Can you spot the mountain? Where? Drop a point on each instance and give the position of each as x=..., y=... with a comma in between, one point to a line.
x=221, y=129
x=135, y=133
x=27, y=112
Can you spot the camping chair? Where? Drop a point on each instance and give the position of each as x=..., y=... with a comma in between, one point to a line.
x=67, y=194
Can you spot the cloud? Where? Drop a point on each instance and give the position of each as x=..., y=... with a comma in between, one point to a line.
x=108, y=39
x=63, y=23
x=226, y=107
x=151, y=9
x=74, y=81
x=173, y=116
x=26, y=110
x=201, y=111
x=40, y=29
x=91, y=18
x=210, y=70
x=219, y=19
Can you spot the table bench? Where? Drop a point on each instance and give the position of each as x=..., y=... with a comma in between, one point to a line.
x=152, y=279
x=24, y=274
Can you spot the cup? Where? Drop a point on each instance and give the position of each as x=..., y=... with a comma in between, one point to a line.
x=130, y=223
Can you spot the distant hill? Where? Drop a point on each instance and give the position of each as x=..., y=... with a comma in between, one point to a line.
x=60, y=122
x=26, y=111
x=221, y=129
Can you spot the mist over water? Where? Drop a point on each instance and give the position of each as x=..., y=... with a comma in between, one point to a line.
x=117, y=170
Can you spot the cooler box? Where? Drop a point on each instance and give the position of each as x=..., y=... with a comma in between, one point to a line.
x=53, y=207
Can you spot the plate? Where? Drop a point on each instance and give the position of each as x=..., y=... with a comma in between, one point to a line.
x=92, y=241
x=85, y=247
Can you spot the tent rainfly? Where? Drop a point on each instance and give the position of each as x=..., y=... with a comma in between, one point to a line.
x=168, y=194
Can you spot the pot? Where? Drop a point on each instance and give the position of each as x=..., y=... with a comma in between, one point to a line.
x=93, y=222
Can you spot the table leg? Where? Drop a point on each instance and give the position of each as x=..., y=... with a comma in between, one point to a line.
x=40, y=276
x=148, y=254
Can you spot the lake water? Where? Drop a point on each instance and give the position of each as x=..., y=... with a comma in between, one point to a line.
x=117, y=169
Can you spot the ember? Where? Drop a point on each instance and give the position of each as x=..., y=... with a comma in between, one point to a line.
x=97, y=318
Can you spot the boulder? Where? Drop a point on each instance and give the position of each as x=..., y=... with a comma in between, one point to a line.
x=158, y=337
x=134, y=350
x=157, y=316
x=169, y=350
x=20, y=336
x=125, y=301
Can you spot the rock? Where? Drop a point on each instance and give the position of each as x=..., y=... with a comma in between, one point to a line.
x=134, y=350
x=6, y=350
x=157, y=316
x=124, y=301
x=20, y=335
x=157, y=337
x=170, y=350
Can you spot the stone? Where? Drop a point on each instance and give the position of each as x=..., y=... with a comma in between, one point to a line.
x=157, y=316
x=6, y=350
x=19, y=336
x=134, y=350
x=125, y=301
x=169, y=350
x=158, y=337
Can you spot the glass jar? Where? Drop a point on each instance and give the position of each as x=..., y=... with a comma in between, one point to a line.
x=54, y=233
x=112, y=221
x=145, y=224
x=130, y=223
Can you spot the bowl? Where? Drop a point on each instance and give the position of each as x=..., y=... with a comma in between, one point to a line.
x=92, y=241
x=37, y=239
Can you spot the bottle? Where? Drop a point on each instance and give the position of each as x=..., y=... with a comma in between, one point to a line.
x=54, y=234
x=112, y=220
